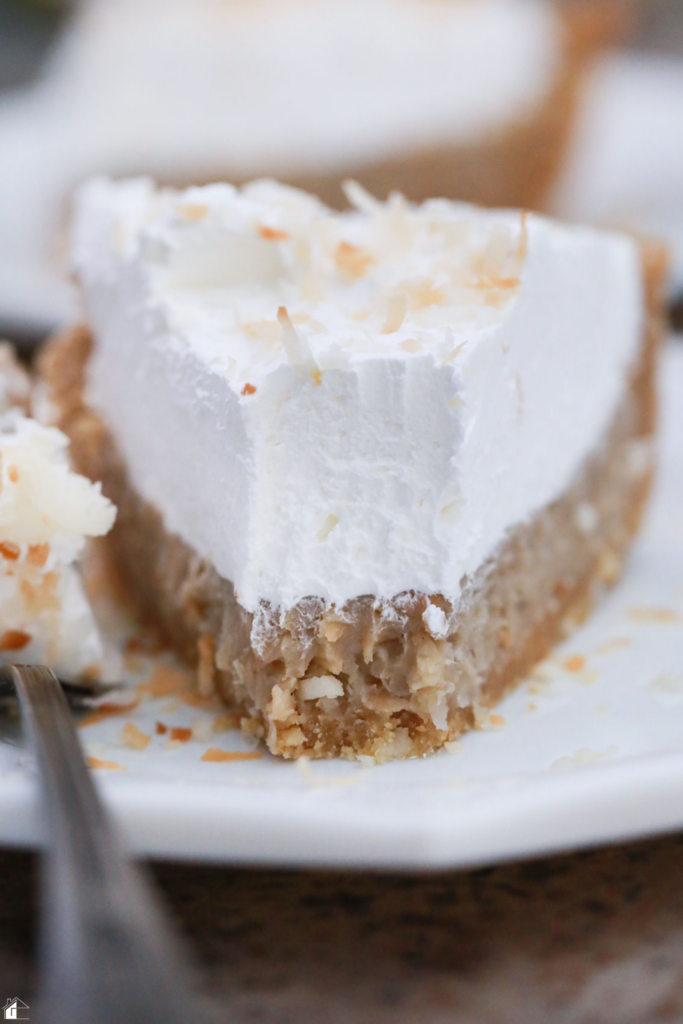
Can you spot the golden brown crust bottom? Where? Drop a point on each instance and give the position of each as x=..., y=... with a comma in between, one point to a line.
x=516, y=166
x=406, y=692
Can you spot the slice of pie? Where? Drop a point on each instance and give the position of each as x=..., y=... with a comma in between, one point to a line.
x=46, y=514
x=472, y=99
x=467, y=98
x=370, y=466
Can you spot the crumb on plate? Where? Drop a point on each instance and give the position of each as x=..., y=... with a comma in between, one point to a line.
x=134, y=737
x=95, y=762
x=217, y=755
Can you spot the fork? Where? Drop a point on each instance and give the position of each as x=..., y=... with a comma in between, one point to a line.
x=109, y=953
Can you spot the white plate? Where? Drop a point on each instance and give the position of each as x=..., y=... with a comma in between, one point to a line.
x=616, y=729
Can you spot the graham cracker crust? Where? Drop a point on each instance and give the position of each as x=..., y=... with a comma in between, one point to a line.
x=515, y=166
x=405, y=692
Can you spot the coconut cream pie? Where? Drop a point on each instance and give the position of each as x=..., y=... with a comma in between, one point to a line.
x=473, y=99
x=370, y=466
x=469, y=97
x=46, y=514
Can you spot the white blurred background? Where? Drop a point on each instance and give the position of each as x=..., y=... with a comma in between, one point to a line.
x=625, y=166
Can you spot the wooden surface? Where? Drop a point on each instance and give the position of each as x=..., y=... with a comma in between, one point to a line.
x=594, y=938
x=662, y=25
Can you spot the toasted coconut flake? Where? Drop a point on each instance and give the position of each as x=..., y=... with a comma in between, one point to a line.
x=496, y=720
x=423, y=294
x=272, y=234
x=181, y=734
x=248, y=389
x=223, y=756
x=14, y=640
x=105, y=711
x=501, y=284
x=135, y=738
x=411, y=345
x=299, y=355
x=660, y=615
x=166, y=682
x=455, y=351
x=38, y=555
x=360, y=198
x=397, y=307
x=161, y=729
x=112, y=766
x=575, y=663
x=193, y=211
x=13, y=473
x=352, y=262
x=9, y=550
x=207, y=665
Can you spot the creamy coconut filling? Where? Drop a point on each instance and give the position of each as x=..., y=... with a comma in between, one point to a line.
x=336, y=405
x=46, y=513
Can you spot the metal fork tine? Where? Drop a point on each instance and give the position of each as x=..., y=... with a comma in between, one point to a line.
x=110, y=954
x=76, y=693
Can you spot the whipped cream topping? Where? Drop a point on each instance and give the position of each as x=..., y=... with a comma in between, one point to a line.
x=190, y=89
x=46, y=512
x=334, y=405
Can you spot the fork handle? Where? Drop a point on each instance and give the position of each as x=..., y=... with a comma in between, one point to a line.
x=110, y=955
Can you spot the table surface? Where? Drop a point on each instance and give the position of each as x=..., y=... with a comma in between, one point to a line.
x=591, y=938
